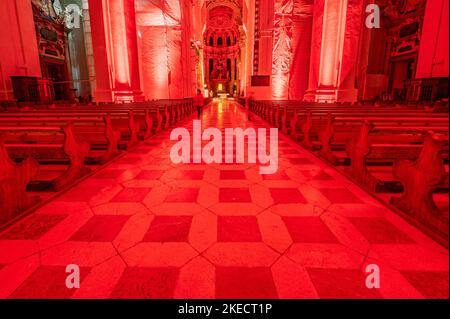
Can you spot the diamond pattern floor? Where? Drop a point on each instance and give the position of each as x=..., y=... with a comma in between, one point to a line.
x=143, y=227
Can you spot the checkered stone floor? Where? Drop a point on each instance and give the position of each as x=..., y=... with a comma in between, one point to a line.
x=144, y=227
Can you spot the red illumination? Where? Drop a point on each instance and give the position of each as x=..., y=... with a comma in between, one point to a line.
x=105, y=185
x=119, y=42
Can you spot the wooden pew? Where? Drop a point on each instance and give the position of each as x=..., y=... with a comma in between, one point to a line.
x=318, y=117
x=336, y=132
x=73, y=139
x=385, y=145
x=286, y=114
x=123, y=121
x=420, y=179
x=72, y=150
x=98, y=131
x=404, y=144
x=13, y=182
x=151, y=117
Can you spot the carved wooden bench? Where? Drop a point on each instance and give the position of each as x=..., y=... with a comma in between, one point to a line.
x=14, y=178
x=98, y=131
x=420, y=179
x=383, y=145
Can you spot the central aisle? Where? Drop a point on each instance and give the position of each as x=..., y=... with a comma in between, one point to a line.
x=143, y=227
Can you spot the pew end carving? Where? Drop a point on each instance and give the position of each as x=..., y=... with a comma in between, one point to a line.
x=112, y=137
x=293, y=127
x=133, y=127
x=358, y=148
x=166, y=117
x=284, y=127
x=148, y=125
x=325, y=138
x=306, y=130
x=420, y=179
x=159, y=121
x=14, y=178
x=77, y=153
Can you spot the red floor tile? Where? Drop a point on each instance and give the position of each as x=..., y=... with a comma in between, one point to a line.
x=238, y=229
x=238, y=237
x=128, y=160
x=109, y=173
x=340, y=196
x=146, y=283
x=182, y=195
x=131, y=195
x=317, y=175
x=149, y=175
x=231, y=174
x=102, y=228
x=289, y=151
x=154, y=142
x=300, y=161
x=140, y=151
x=280, y=175
x=32, y=227
x=341, y=284
x=79, y=194
x=230, y=195
x=379, y=231
x=245, y=283
x=287, y=196
x=322, y=176
x=47, y=282
x=169, y=229
x=308, y=229
x=284, y=144
x=191, y=174
x=431, y=284
x=160, y=161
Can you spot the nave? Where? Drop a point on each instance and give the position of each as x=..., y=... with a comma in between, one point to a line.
x=143, y=227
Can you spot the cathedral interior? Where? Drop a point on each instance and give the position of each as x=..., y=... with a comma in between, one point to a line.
x=92, y=93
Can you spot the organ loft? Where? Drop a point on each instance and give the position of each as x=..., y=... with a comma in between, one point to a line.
x=133, y=134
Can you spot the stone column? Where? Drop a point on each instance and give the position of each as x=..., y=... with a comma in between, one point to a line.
x=114, y=39
x=103, y=84
x=354, y=19
x=336, y=26
x=301, y=49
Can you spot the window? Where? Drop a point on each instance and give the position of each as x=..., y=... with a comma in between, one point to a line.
x=211, y=41
x=219, y=41
x=228, y=41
